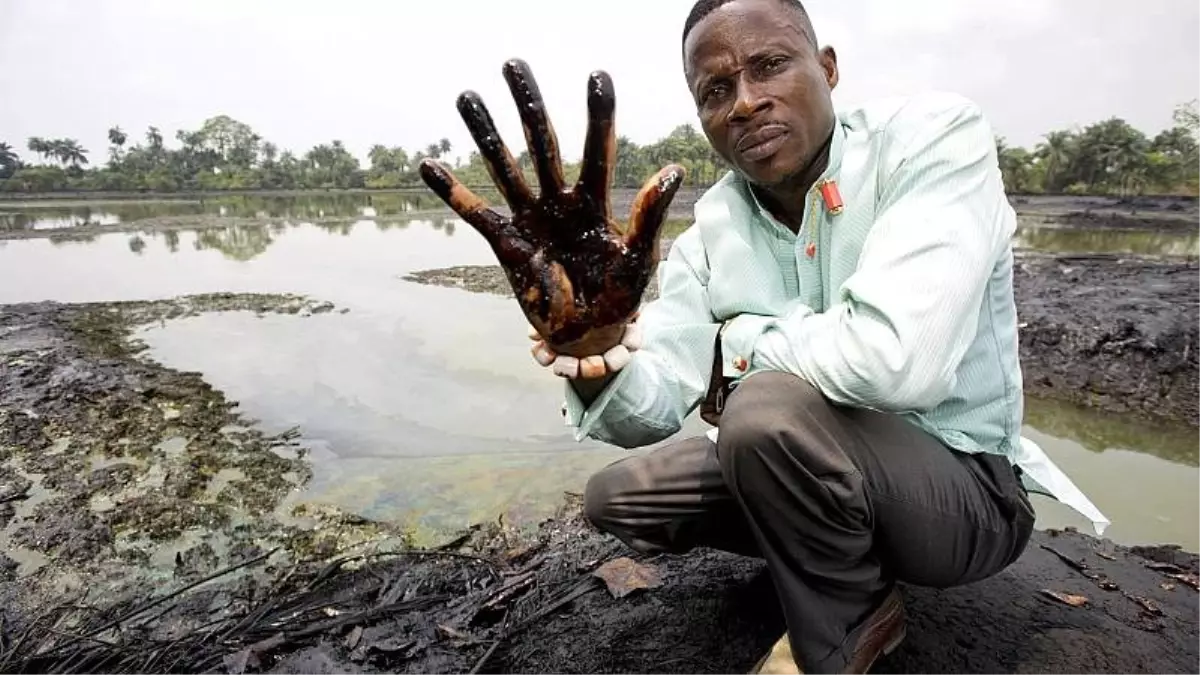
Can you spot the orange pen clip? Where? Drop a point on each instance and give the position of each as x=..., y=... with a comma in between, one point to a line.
x=832, y=197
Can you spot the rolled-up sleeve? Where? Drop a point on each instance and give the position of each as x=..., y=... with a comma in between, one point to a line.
x=667, y=378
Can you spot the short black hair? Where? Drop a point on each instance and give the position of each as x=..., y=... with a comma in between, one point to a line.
x=703, y=8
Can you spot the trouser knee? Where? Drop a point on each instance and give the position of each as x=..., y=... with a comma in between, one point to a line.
x=602, y=508
x=760, y=423
x=598, y=497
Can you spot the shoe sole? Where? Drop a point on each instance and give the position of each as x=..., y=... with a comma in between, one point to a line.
x=895, y=642
x=890, y=647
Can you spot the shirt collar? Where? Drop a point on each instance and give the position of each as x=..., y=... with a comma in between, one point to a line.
x=836, y=150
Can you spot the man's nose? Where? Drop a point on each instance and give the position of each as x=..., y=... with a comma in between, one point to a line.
x=749, y=102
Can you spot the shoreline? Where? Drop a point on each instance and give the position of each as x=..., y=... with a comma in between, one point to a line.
x=1166, y=215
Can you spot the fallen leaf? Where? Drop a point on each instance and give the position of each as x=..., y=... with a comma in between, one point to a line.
x=1145, y=604
x=1108, y=585
x=521, y=553
x=250, y=657
x=1078, y=565
x=1167, y=586
x=1164, y=567
x=624, y=576
x=1066, y=598
x=353, y=638
x=451, y=632
x=1106, y=556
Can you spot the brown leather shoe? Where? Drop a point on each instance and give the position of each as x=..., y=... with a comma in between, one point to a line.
x=881, y=634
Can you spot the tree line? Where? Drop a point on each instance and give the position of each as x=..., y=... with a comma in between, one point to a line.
x=1106, y=157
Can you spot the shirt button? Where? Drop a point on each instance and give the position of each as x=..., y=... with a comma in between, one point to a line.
x=740, y=363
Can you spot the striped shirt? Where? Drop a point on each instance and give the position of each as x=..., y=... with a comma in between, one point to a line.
x=902, y=302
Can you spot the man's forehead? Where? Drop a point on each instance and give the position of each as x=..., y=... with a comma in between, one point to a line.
x=747, y=22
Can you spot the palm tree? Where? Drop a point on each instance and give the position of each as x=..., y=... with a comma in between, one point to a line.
x=117, y=137
x=154, y=138
x=70, y=152
x=1187, y=116
x=40, y=146
x=379, y=156
x=9, y=162
x=444, y=146
x=1055, y=153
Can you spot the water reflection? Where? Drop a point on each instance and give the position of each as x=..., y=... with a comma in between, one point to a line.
x=1142, y=475
x=233, y=216
x=301, y=207
x=1099, y=433
x=1131, y=242
x=244, y=242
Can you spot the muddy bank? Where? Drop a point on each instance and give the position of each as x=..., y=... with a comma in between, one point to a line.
x=568, y=599
x=1167, y=214
x=117, y=474
x=1118, y=334
x=1110, y=332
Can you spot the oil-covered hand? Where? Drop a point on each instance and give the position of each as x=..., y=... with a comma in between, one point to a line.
x=591, y=367
x=577, y=273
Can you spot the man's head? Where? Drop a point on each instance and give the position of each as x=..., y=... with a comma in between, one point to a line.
x=761, y=85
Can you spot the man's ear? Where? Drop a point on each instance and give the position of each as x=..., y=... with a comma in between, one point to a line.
x=828, y=59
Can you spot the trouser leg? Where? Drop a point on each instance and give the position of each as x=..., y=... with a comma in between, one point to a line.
x=671, y=499
x=843, y=502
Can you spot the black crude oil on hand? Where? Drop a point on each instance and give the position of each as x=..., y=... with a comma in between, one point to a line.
x=577, y=274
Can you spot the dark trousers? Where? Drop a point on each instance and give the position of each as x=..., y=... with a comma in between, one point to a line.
x=841, y=503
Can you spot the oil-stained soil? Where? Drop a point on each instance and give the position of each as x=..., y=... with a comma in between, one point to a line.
x=1118, y=334
x=567, y=599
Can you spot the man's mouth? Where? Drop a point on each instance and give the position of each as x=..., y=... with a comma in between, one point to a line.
x=762, y=142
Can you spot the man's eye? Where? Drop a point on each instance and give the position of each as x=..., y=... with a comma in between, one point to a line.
x=714, y=91
x=774, y=63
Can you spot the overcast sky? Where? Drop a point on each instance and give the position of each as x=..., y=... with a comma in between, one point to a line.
x=305, y=71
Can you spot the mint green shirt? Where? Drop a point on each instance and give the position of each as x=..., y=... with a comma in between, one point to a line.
x=905, y=305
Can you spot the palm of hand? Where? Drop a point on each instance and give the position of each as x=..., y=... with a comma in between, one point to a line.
x=577, y=275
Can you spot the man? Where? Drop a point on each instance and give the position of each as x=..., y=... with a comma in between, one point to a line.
x=842, y=310
x=853, y=279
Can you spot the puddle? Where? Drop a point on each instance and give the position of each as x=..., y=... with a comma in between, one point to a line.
x=28, y=560
x=1071, y=240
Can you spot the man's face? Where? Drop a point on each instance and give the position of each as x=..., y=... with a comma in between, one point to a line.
x=762, y=90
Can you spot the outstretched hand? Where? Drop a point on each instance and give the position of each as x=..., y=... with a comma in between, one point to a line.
x=577, y=274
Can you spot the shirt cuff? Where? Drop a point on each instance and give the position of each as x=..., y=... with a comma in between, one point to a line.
x=584, y=418
x=738, y=337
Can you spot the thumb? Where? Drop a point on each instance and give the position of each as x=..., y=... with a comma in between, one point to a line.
x=651, y=204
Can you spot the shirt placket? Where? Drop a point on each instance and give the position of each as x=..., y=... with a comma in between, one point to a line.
x=808, y=267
